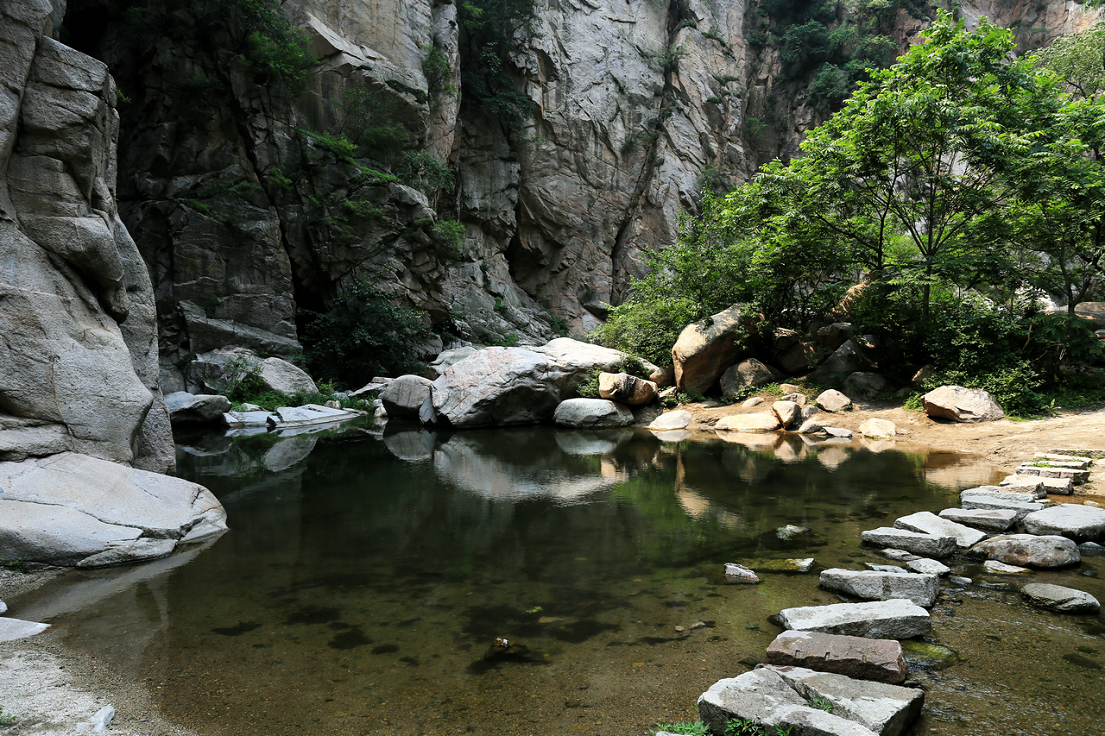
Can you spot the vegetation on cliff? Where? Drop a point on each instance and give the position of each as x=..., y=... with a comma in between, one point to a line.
x=967, y=184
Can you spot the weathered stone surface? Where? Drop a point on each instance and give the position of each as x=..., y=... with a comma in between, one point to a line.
x=186, y=408
x=878, y=428
x=1066, y=461
x=626, y=389
x=307, y=415
x=1028, y=550
x=706, y=348
x=1007, y=492
x=927, y=566
x=864, y=385
x=735, y=573
x=833, y=401
x=929, y=523
x=446, y=358
x=852, y=656
x=962, y=404
x=993, y=520
x=1060, y=599
x=886, y=709
x=744, y=375
x=810, y=426
x=220, y=370
x=409, y=397
x=241, y=419
x=1000, y=568
x=13, y=628
x=838, y=432
x=73, y=509
x=1074, y=521
x=1074, y=474
x=1024, y=483
x=209, y=333
x=787, y=412
x=592, y=413
x=798, y=358
x=892, y=619
x=872, y=585
x=760, y=422
x=848, y=358
x=926, y=545
x=671, y=420
x=752, y=402
x=999, y=501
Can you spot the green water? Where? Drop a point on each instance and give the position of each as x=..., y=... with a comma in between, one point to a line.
x=366, y=576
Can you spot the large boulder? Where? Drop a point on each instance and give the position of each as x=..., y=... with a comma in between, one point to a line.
x=510, y=386
x=409, y=397
x=626, y=389
x=76, y=510
x=706, y=348
x=961, y=404
x=745, y=375
x=592, y=413
x=864, y=385
x=671, y=420
x=186, y=408
x=221, y=370
x=850, y=357
x=788, y=412
x=1029, y=550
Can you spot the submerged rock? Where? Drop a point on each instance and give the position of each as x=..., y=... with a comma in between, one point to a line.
x=1060, y=599
x=927, y=655
x=735, y=573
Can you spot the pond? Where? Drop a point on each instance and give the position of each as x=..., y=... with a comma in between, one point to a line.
x=367, y=575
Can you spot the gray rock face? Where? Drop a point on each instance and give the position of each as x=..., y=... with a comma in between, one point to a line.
x=929, y=523
x=852, y=656
x=993, y=520
x=962, y=404
x=892, y=619
x=833, y=401
x=626, y=389
x=509, y=386
x=885, y=709
x=1060, y=599
x=73, y=378
x=746, y=374
x=706, y=348
x=1028, y=550
x=409, y=397
x=881, y=586
x=77, y=510
x=926, y=545
x=186, y=408
x=592, y=413
x=1074, y=521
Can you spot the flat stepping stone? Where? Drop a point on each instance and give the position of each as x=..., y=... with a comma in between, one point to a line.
x=1021, y=508
x=1038, y=484
x=1094, y=453
x=877, y=585
x=14, y=628
x=852, y=656
x=885, y=709
x=1006, y=492
x=1071, y=520
x=928, y=567
x=1029, y=550
x=929, y=523
x=735, y=573
x=1060, y=599
x=1078, y=476
x=1000, y=568
x=993, y=520
x=893, y=619
x=899, y=555
x=925, y=545
x=1068, y=461
x=764, y=697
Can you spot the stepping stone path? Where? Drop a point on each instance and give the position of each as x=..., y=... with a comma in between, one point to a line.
x=845, y=654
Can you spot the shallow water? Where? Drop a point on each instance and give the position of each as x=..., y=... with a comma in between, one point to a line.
x=367, y=575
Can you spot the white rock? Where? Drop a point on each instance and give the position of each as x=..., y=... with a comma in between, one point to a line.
x=1000, y=568
x=927, y=566
x=929, y=523
x=833, y=401
x=878, y=428
x=592, y=413
x=671, y=420
x=892, y=619
x=13, y=628
x=962, y=404
x=748, y=423
x=875, y=585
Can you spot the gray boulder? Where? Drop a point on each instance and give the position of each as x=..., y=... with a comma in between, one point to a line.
x=833, y=401
x=891, y=619
x=186, y=408
x=592, y=413
x=864, y=385
x=221, y=370
x=881, y=586
x=1020, y=508
x=787, y=411
x=409, y=397
x=671, y=420
x=962, y=404
x=626, y=389
x=848, y=358
x=73, y=509
x=929, y=523
x=1074, y=521
x=706, y=348
x=927, y=567
x=926, y=545
x=1029, y=550
x=747, y=374
x=1060, y=599
x=852, y=656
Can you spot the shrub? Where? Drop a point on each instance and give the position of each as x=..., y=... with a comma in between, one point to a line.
x=649, y=327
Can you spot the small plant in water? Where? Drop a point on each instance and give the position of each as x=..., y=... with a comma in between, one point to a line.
x=694, y=728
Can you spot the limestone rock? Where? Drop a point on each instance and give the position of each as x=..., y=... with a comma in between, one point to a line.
x=919, y=543
x=747, y=374
x=929, y=523
x=1074, y=521
x=1060, y=599
x=891, y=619
x=833, y=401
x=735, y=573
x=927, y=566
x=626, y=389
x=787, y=412
x=409, y=397
x=878, y=429
x=880, y=586
x=72, y=509
x=1028, y=550
x=962, y=404
x=706, y=348
x=853, y=656
x=1000, y=568
x=186, y=408
x=592, y=413
x=993, y=520
x=671, y=420
x=221, y=370
x=748, y=423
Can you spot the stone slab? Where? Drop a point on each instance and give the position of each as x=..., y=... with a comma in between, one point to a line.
x=1072, y=520
x=1078, y=476
x=853, y=656
x=919, y=543
x=1027, y=496
x=794, y=564
x=927, y=522
x=927, y=566
x=1020, y=508
x=14, y=628
x=893, y=619
x=874, y=585
x=994, y=520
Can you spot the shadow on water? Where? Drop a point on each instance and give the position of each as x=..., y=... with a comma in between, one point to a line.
x=370, y=575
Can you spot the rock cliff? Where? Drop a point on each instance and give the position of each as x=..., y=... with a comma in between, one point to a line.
x=78, y=338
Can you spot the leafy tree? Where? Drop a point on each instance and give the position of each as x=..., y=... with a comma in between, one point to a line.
x=489, y=31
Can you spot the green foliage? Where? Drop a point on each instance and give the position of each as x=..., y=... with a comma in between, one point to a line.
x=693, y=728
x=589, y=389
x=508, y=340
x=242, y=379
x=749, y=727
x=336, y=144
x=489, y=31
x=6, y=720
x=368, y=120
x=437, y=70
x=363, y=334
x=648, y=325
x=424, y=172
x=449, y=235
x=821, y=704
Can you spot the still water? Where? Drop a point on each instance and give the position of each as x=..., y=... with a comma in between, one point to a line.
x=367, y=574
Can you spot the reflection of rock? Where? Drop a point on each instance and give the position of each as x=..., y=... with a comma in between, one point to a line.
x=410, y=444
x=671, y=435
x=287, y=452
x=700, y=507
x=831, y=457
x=599, y=442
